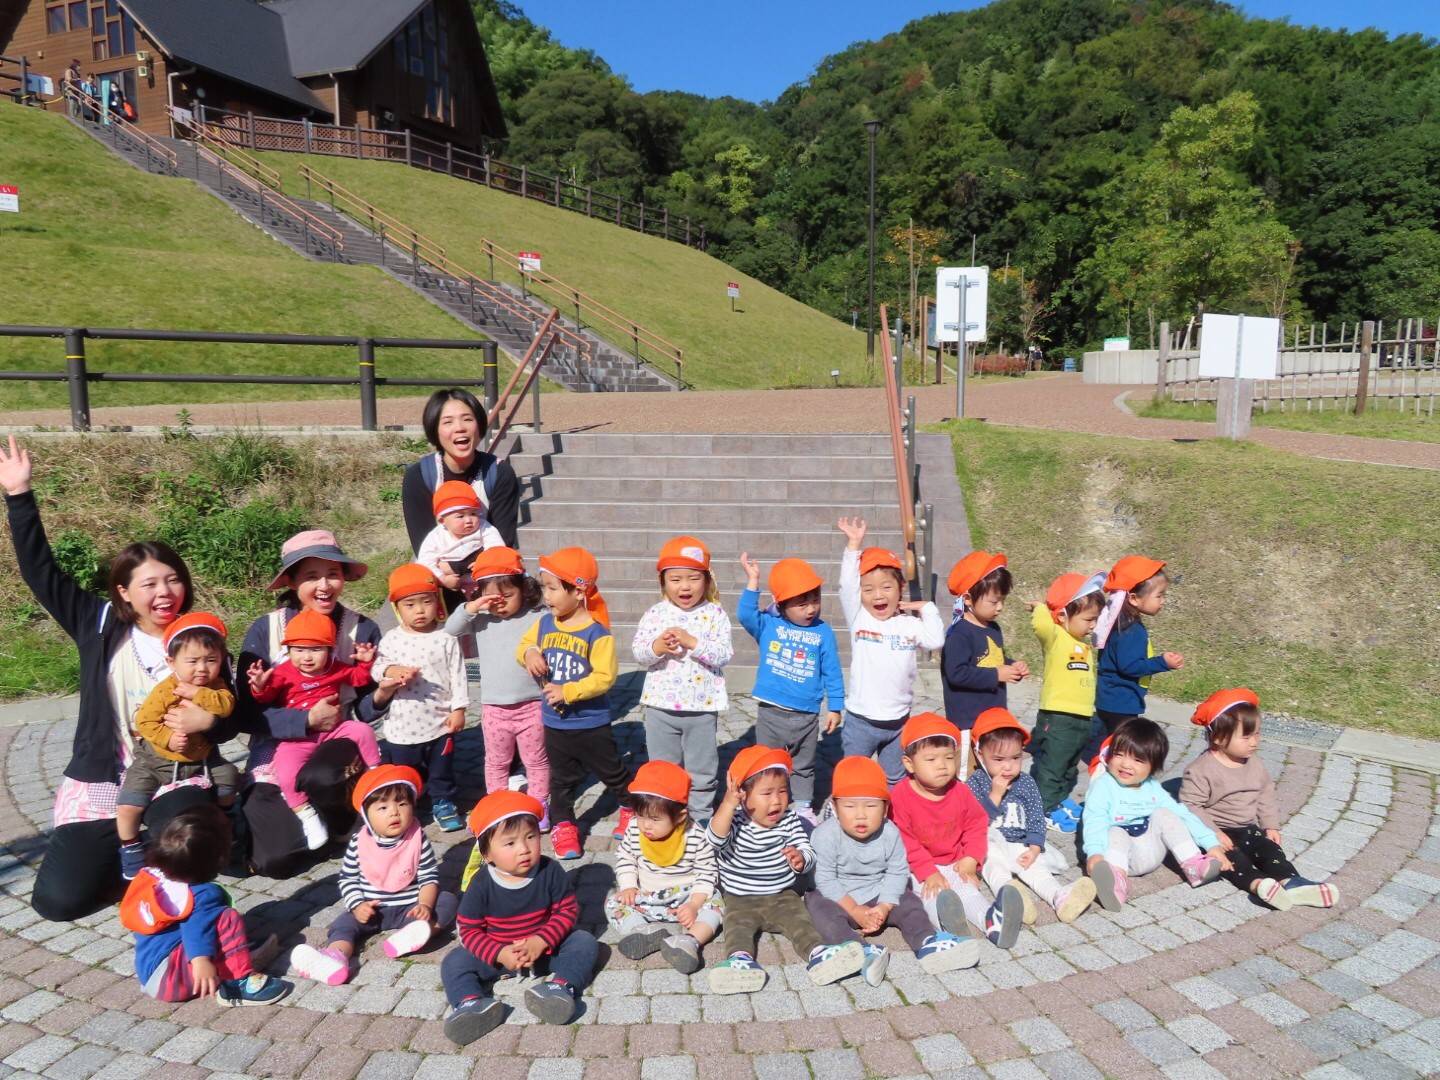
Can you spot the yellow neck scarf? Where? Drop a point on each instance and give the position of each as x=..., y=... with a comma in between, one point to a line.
x=665, y=852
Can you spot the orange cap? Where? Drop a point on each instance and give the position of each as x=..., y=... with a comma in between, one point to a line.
x=683, y=552
x=1131, y=571
x=372, y=780
x=412, y=578
x=499, y=805
x=790, y=578
x=454, y=495
x=927, y=725
x=663, y=779
x=1209, y=710
x=196, y=620
x=877, y=558
x=1067, y=588
x=858, y=777
x=497, y=562
x=997, y=719
x=310, y=628
x=973, y=569
x=576, y=566
x=756, y=759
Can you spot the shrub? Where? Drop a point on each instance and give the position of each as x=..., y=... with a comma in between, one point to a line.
x=245, y=459
x=225, y=545
x=76, y=554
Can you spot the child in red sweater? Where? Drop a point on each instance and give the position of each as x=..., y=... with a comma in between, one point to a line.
x=944, y=828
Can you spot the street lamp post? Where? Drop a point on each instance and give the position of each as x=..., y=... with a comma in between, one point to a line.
x=871, y=126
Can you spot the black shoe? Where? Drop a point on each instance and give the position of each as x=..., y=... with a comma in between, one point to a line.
x=472, y=1019
x=551, y=1002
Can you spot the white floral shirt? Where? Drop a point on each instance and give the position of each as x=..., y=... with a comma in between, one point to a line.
x=694, y=681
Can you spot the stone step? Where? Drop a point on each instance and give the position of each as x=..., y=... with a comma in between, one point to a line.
x=638, y=571
x=704, y=466
x=684, y=517
x=723, y=543
x=630, y=600
x=732, y=445
x=878, y=493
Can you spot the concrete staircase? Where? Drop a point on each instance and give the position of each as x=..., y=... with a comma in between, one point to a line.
x=602, y=368
x=622, y=496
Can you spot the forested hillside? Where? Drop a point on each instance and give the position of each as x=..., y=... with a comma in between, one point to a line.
x=1128, y=161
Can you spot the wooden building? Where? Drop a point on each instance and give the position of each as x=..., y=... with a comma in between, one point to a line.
x=398, y=64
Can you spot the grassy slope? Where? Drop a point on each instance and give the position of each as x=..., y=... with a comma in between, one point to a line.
x=677, y=292
x=102, y=244
x=1313, y=582
x=1380, y=421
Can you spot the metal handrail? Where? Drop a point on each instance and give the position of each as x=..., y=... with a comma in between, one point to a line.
x=371, y=211
x=903, y=488
x=150, y=143
x=257, y=169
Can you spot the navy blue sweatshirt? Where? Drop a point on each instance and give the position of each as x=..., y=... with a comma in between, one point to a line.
x=1124, y=671
x=1020, y=817
x=970, y=664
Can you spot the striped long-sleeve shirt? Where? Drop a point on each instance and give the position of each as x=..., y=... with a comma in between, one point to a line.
x=752, y=860
x=356, y=889
x=696, y=869
x=493, y=915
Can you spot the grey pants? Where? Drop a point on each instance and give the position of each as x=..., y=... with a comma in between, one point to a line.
x=797, y=733
x=689, y=740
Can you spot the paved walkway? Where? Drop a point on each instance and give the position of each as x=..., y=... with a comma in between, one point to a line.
x=1182, y=983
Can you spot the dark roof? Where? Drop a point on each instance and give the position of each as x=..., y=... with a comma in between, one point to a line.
x=327, y=36
x=239, y=39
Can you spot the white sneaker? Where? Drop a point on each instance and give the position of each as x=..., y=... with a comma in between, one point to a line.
x=316, y=835
x=516, y=782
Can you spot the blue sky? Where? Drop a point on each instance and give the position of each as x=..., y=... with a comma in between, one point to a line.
x=754, y=49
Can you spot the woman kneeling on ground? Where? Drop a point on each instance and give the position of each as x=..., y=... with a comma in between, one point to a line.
x=122, y=658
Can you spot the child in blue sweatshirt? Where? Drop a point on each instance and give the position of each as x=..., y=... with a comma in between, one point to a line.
x=1130, y=822
x=973, y=663
x=799, y=668
x=1134, y=588
x=189, y=941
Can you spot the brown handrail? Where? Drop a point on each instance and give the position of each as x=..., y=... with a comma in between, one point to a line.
x=529, y=364
x=148, y=141
x=372, y=212
x=256, y=168
x=897, y=448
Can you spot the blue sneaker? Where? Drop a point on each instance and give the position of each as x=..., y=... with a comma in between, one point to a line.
x=445, y=815
x=831, y=963
x=474, y=1018
x=132, y=859
x=947, y=952
x=1060, y=821
x=256, y=989
x=1073, y=808
x=1004, y=919
x=877, y=959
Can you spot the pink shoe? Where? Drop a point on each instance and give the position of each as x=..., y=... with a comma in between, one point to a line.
x=1200, y=870
x=545, y=819
x=328, y=966
x=1112, y=886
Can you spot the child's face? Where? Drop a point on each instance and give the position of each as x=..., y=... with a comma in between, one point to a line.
x=934, y=767
x=1241, y=747
x=768, y=798
x=511, y=596
x=318, y=583
x=1128, y=770
x=656, y=824
x=196, y=662
x=419, y=612
x=1153, y=600
x=390, y=813
x=988, y=607
x=562, y=600
x=860, y=818
x=802, y=610
x=880, y=593
x=461, y=522
x=1001, y=758
x=309, y=659
x=1082, y=624
x=516, y=852
x=683, y=587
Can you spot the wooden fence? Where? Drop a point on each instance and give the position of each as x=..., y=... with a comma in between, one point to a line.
x=251, y=132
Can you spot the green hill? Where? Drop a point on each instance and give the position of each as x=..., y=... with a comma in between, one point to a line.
x=98, y=243
x=678, y=292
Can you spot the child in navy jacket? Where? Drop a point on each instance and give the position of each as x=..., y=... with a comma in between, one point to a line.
x=973, y=662
x=1135, y=588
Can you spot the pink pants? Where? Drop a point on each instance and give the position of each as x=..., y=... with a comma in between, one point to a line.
x=174, y=981
x=292, y=754
x=508, y=726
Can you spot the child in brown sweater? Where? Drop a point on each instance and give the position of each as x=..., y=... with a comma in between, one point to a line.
x=1230, y=789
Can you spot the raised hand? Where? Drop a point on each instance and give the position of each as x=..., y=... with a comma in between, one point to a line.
x=364, y=652
x=752, y=570
x=15, y=468
x=854, y=530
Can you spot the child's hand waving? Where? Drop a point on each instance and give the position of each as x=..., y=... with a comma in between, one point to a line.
x=15, y=469
x=259, y=676
x=752, y=571
x=854, y=530
x=364, y=652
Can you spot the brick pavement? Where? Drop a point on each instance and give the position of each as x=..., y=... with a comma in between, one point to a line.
x=1181, y=983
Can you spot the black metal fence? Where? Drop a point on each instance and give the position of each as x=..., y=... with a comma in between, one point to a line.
x=78, y=376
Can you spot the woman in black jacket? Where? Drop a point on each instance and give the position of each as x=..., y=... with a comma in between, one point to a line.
x=121, y=660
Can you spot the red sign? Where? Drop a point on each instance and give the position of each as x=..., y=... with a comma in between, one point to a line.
x=10, y=198
x=728, y=284
x=732, y=289
x=529, y=260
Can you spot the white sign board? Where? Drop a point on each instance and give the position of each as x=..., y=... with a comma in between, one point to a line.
x=1117, y=344
x=9, y=198
x=947, y=302
x=529, y=261
x=40, y=84
x=732, y=290
x=1239, y=347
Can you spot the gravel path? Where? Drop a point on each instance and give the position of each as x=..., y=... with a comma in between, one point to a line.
x=1058, y=402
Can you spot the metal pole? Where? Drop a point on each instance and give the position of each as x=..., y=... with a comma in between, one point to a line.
x=535, y=399
x=871, y=126
x=368, y=419
x=927, y=552
x=899, y=358
x=75, y=377
x=490, y=368
x=964, y=286
x=910, y=442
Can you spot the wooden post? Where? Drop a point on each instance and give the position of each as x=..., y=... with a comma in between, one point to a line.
x=1362, y=385
x=642, y=217
x=449, y=159
x=1162, y=362
x=524, y=180
x=251, y=115
x=357, y=140
x=409, y=149
x=306, y=130
x=557, y=192
x=589, y=195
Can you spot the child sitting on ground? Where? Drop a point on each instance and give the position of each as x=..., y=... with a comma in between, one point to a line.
x=665, y=877
x=944, y=831
x=1230, y=789
x=862, y=878
x=1135, y=588
x=799, y=668
x=460, y=531
x=389, y=879
x=762, y=849
x=310, y=675
x=973, y=663
x=683, y=644
x=1131, y=822
x=428, y=709
x=504, y=609
x=571, y=648
x=1015, y=844
x=883, y=646
x=199, y=672
x=189, y=941
x=1067, y=695
x=518, y=914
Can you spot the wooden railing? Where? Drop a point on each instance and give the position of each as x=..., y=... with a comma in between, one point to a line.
x=417, y=151
x=153, y=148
x=899, y=450
x=502, y=413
